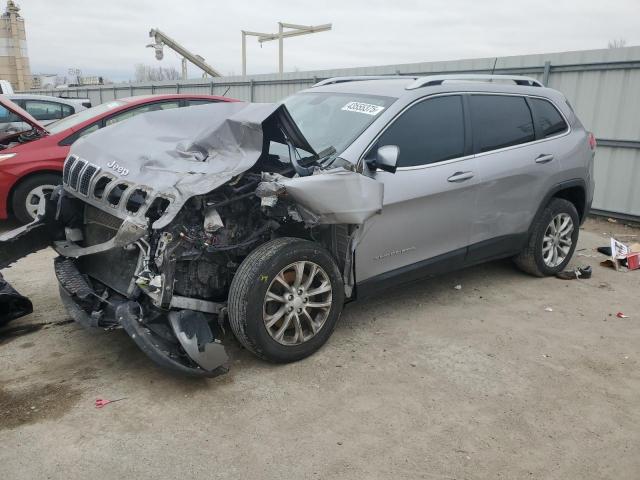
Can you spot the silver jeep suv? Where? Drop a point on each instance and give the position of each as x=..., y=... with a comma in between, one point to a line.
x=268, y=217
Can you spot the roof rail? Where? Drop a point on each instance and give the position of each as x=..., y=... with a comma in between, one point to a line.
x=439, y=79
x=356, y=78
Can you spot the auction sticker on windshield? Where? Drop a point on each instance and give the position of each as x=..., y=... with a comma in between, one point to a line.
x=365, y=108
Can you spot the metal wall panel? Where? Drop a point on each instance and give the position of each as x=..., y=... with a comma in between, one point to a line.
x=602, y=85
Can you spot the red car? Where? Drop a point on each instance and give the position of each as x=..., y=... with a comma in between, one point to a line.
x=31, y=160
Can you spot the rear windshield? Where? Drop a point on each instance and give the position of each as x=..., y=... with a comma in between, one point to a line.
x=84, y=115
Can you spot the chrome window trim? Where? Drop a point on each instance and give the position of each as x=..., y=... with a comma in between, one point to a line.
x=467, y=157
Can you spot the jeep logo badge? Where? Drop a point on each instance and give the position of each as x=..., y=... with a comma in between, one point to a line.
x=118, y=168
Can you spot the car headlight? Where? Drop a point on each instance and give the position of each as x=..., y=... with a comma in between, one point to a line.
x=6, y=156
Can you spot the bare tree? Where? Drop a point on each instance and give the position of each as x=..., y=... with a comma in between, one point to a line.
x=617, y=43
x=147, y=73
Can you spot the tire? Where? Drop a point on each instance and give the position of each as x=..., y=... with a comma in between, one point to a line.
x=531, y=260
x=24, y=192
x=249, y=307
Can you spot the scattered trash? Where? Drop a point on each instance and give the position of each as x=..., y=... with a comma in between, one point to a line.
x=580, y=272
x=546, y=355
x=548, y=309
x=103, y=403
x=413, y=364
x=622, y=255
x=458, y=287
x=621, y=315
x=612, y=220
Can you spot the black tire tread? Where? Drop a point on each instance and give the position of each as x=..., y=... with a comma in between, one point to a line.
x=526, y=260
x=241, y=284
x=24, y=186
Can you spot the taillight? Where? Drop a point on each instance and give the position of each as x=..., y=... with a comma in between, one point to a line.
x=592, y=141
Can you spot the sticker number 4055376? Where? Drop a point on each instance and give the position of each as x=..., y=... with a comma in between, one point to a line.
x=365, y=108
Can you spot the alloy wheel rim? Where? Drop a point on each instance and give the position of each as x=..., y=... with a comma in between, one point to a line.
x=33, y=198
x=557, y=240
x=297, y=303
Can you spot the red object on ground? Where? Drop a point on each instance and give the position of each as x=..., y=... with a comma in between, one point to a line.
x=633, y=261
x=102, y=403
x=46, y=152
x=621, y=315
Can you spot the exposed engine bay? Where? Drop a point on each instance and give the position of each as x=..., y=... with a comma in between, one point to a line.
x=9, y=139
x=151, y=243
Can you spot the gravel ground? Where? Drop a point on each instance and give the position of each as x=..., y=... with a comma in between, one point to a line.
x=426, y=381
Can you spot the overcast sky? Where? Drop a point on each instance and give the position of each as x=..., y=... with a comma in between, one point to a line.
x=108, y=37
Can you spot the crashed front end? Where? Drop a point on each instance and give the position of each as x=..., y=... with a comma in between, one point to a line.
x=151, y=226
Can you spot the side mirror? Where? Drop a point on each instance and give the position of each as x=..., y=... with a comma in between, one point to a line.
x=386, y=158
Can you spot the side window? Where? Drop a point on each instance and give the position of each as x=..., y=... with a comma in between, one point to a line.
x=85, y=131
x=41, y=110
x=429, y=132
x=500, y=121
x=67, y=110
x=152, y=107
x=548, y=119
x=6, y=116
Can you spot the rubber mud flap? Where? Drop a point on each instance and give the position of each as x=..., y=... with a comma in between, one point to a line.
x=12, y=304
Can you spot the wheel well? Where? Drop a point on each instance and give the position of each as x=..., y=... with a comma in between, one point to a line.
x=575, y=195
x=23, y=179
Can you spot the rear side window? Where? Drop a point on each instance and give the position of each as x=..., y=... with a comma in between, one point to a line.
x=67, y=110
x=500, y=121
x=42, y=110
x=549, y=120
x=429, y=132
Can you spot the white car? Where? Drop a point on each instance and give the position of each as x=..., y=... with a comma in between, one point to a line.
x=43, y=108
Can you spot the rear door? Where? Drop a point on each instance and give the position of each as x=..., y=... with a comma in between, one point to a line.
x=516, y=167
x=429, y=201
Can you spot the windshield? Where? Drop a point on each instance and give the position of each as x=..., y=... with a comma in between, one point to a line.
x=78, y=118
x=334, y=119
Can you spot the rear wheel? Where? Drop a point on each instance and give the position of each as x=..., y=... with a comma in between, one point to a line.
x=285, y=299
x=29, y=192
x=552, y=241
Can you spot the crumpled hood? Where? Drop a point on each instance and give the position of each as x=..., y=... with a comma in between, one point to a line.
x=179, y=153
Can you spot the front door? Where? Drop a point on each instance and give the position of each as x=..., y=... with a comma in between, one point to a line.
x=428, y=202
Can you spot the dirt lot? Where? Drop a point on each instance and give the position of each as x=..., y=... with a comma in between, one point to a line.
x=425, y=382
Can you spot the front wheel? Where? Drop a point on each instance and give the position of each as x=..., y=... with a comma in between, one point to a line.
x=30, y=192
x=552, y=240
x=285, y=299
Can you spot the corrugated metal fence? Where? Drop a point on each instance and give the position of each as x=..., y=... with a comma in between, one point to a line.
x=602, y=85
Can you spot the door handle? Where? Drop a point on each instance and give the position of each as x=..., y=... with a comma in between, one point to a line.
x=460, y=177
x=544, y=158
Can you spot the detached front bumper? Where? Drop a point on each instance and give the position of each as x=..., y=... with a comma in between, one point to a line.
x=181, y=340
